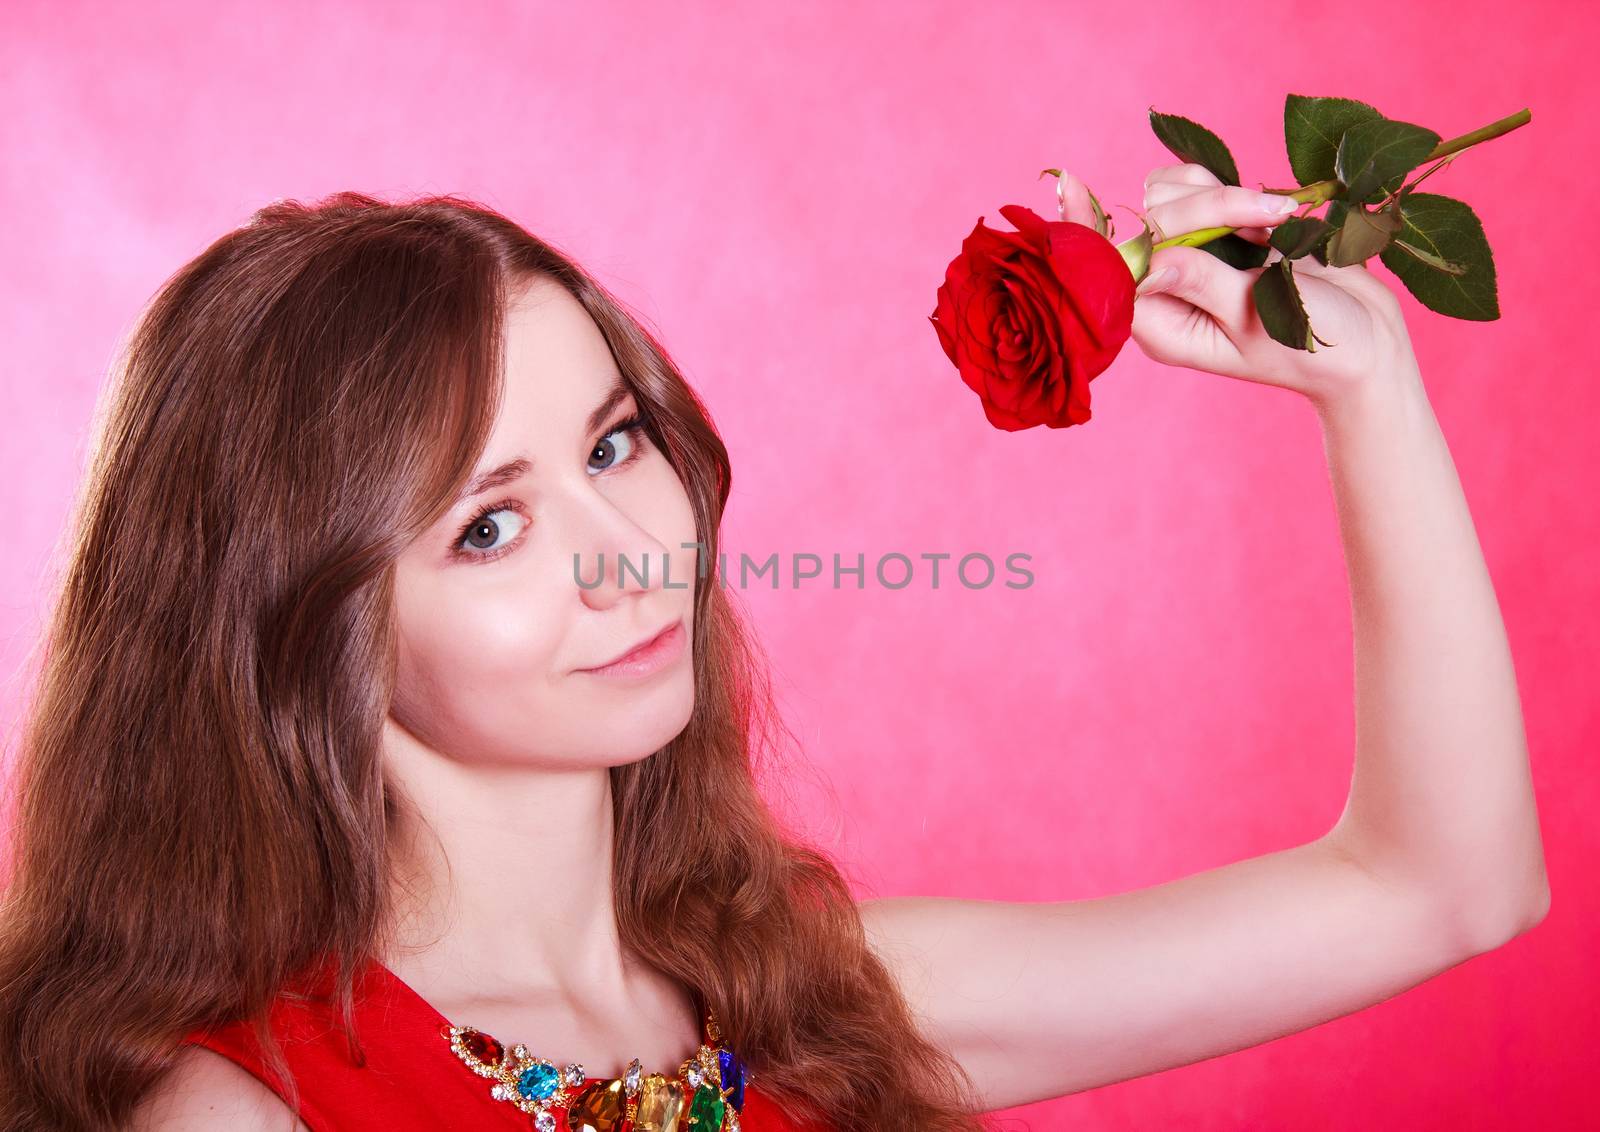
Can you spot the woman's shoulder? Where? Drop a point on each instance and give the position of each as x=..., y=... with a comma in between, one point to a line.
x=205, y=1090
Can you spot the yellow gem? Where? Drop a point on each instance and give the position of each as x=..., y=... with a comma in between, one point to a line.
x=660, y=1104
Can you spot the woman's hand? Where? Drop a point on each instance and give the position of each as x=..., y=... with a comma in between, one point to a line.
x=1204, y=317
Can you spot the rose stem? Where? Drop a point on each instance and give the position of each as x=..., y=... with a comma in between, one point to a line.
x=1319, y=191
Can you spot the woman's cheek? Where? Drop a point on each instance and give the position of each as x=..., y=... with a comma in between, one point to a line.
x=674, y=527
x=507, y=635
x=471, y=636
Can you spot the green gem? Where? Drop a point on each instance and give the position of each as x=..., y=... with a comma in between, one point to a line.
x=706, y=1111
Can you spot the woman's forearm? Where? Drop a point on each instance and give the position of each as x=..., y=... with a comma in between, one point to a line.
x=1441, y=794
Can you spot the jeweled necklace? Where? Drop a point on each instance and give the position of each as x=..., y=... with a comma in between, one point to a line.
x=705, y=1095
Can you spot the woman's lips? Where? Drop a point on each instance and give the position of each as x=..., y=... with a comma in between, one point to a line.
x=651, y=656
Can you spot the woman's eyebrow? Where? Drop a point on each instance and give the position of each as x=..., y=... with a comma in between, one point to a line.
x=505, y=473
x=616, y=393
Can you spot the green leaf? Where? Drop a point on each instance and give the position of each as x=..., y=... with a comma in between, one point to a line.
x=1312, y=128
x=1374, y=157
x=1334, y=218
x=1300, y=235
x=1190, y=141
x=1450, y=230
x=1236, y=251
x=1362, y=235
x=1102, y=222
x=1278, y=304
x=1431, y=260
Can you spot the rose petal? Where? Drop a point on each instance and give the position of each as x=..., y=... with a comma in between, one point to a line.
x=1030, y=317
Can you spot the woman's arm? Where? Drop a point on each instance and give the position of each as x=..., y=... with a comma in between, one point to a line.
x=1436, y=856
x=204, y=1091
x=1441, y=795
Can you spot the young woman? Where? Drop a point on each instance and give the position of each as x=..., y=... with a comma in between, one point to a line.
x=365, y=786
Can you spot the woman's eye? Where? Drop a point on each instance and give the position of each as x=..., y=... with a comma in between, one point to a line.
x=607, y=454
x=486, y=532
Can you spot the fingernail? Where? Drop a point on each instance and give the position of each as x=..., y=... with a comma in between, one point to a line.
x=1156, y=280
x=1278, y=204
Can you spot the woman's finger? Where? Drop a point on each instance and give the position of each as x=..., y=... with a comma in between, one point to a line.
x=1165, y=191
x=1189, y=173
x=1073, y=198
x=1177, y=208
x=1200, y=280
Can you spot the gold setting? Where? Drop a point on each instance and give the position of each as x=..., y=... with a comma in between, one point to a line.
x=647, y=1102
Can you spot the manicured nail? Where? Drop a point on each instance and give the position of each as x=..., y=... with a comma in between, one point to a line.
x=1278, y=204
x=1156, y=280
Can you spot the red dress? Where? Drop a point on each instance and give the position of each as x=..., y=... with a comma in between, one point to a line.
x=412, y=1081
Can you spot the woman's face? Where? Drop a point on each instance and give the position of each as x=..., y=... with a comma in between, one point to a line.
x=496, y=633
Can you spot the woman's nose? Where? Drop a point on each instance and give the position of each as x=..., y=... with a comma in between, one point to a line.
x=609, y=553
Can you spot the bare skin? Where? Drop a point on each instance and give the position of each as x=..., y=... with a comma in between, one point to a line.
x=505, y=747
x=206, y=1091
x=1437, y=856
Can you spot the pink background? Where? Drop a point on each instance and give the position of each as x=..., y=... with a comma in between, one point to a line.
x=778, y=192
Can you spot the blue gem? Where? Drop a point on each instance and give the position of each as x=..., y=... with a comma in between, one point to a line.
x=732, y=1072
x=538, y=1082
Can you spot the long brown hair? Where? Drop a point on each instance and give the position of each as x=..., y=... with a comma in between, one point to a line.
x=202, y=811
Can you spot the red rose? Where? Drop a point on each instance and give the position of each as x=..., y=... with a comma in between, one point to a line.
x=1031, y=317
